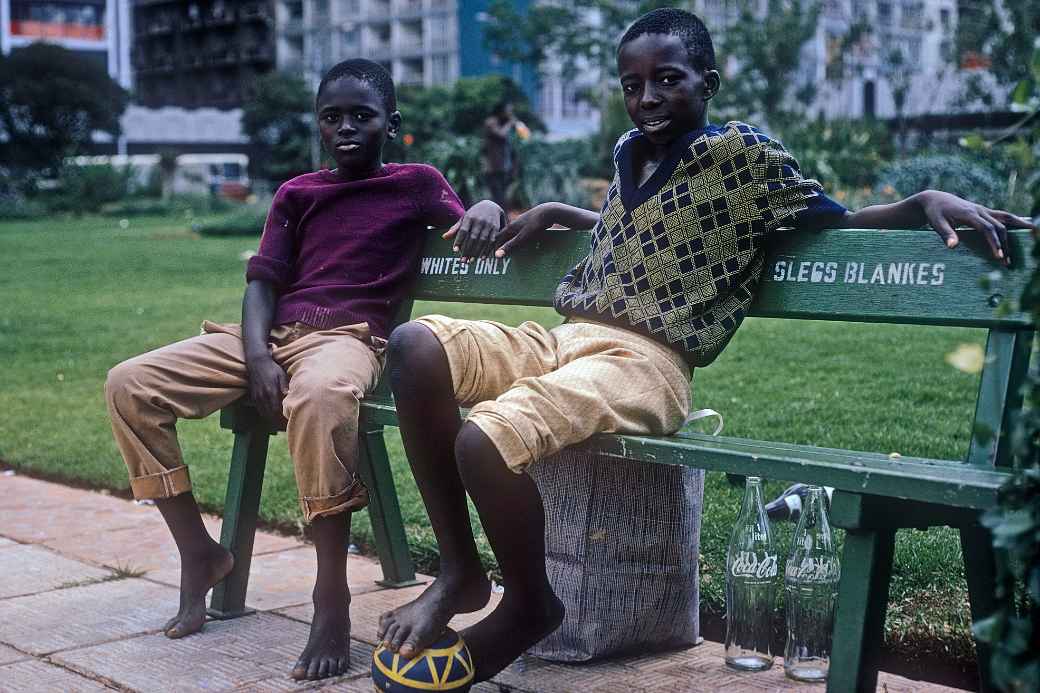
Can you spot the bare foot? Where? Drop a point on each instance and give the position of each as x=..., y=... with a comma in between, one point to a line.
x=509, y=630
x=199, y=572
x=411, y=628
x=328, y=648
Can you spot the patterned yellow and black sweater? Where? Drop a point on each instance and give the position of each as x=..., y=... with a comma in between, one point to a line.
x=678, y=258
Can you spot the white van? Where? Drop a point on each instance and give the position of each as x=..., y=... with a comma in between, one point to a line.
x=218, y=174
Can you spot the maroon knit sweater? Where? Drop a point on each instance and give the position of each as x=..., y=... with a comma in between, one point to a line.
x=342, y=252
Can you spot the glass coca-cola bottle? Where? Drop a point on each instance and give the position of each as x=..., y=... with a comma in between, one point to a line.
x=811, y=591
x=751, y=567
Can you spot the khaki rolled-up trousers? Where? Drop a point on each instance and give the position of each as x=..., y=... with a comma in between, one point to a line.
x=535, y=391
x=329, y=372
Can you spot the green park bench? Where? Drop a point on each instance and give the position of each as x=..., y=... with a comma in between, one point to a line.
x=851, y=275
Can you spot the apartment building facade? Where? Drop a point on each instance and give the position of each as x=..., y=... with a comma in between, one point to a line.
x=200, y=53
x=421, y=42
x=902, y=63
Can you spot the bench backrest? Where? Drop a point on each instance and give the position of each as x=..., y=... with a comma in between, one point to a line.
x=899, y=276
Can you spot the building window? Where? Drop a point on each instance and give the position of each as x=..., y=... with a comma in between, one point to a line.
x=912, y=15
x=441, y=28
x=440, y=69
x=350, y=39
x=72, y=20
x=913, y=48
x=869, y=105
x=884, y=13
x=944, y=18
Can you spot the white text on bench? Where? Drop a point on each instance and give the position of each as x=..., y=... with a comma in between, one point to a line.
x=904, y=273
x=454, y=265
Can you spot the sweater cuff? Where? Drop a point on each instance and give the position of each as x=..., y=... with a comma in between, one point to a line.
x=268, y=269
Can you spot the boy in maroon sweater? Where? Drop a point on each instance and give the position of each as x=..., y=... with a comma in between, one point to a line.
x=335, y=258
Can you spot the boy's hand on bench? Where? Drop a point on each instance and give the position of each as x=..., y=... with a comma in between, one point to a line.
x=268, y=385
x=945, y=212
x=475, y=232
x=517, y=232
x=539, y=219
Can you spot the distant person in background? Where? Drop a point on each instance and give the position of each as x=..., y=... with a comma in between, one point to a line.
x=500, y=163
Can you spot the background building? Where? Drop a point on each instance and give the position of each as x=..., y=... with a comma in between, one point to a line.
x=903, y=63
x=98, y=30
x=200, y=53
x=421, y=42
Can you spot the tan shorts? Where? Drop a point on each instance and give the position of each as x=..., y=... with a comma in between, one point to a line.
x=535, y=391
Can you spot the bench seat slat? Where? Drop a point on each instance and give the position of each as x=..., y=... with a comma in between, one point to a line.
x=947, y=482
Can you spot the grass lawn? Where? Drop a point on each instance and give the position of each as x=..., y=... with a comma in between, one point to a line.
x=81, y=295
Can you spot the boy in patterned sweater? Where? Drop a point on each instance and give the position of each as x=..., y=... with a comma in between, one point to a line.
x=676, y=256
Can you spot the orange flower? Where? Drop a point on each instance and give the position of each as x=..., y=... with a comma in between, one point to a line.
x=408, y=139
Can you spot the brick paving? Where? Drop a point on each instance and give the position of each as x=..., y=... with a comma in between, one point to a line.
x=87, y=580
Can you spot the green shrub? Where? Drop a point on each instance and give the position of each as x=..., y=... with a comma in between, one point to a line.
x=840, y=153
x=179, y=205
x=550, y=171
x=247, y=220
x=458, y=158
x=960, y=175
x=553, y=171
x=14, y=206
x=86, y=189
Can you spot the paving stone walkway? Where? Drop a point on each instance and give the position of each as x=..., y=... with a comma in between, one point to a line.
x=86, y=581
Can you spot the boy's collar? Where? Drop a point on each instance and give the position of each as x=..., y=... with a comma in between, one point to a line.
x=634, y=195
x=383, y=170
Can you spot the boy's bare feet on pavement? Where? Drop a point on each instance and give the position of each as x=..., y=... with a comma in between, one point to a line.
x=515, y=625
x=198, y=574
x=410, y=629
x=328, y=648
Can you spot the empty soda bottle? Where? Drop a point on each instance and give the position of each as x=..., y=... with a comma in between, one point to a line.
x=811, y=591
x=751, y=567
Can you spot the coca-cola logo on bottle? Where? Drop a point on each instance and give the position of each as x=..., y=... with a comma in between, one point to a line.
x=813, y=570
x=748, y=564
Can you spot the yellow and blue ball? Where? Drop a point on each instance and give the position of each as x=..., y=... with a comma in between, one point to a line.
x=444, y=666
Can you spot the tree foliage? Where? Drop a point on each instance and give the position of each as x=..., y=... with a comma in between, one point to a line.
x=1003, y=34
x=584, y=36
x=51, y=102
x=433, y=114
x=766, y=51
x=278, y=121
x=1013, y=630
x=573, y=34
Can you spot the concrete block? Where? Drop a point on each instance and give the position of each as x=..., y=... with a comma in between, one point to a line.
x=253, y=652
x=34, y=675
x=78, y=616
x=27, y=569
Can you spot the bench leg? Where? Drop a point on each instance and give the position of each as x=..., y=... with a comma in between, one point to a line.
x=866, y=567
x=241, y=507
x=384, y=510
x=980, y=569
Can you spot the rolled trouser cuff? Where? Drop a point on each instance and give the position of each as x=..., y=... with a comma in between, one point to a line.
x=165, y=484
x=355, y=497
x=515, y=451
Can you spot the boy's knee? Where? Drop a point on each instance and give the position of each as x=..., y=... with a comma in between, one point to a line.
x=474, y=452
x=414, y=352
x=122, y=381
x=317, y=390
